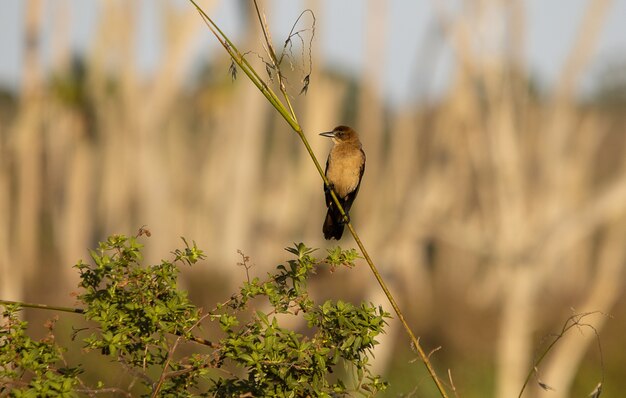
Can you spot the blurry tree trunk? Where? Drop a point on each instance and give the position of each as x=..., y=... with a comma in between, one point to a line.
x=370, y=111
x=61, y=48
x=10, y=285
x=69, y=171
x=559, y=128
x=606, y=288
x=77, y=210
x=242, y=176
x=514, y=345
x=244, y=142
x=27, y=138
x=155, y=184
x=113, y=40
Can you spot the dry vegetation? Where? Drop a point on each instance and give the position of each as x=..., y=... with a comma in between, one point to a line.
x=491, y=213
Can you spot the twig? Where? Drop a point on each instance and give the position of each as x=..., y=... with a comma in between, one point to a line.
x=170, y=354
x=71, y=310
x=43, y=306
x=572, y=321
x=107, y=390
x=452, y=384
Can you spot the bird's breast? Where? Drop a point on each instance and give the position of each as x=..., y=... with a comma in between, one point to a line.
x=344, y=169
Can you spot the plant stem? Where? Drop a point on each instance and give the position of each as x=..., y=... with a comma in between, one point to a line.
x=44, y=306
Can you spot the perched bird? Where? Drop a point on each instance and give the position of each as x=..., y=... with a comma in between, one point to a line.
x=344, y=170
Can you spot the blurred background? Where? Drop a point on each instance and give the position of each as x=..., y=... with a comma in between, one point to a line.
x=494, y=199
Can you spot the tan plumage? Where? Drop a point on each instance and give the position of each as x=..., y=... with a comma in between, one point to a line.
x=344, y=169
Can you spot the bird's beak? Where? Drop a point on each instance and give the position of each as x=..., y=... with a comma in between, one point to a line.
x=329, y=134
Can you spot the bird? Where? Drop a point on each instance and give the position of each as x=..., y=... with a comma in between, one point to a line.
x=344, y=170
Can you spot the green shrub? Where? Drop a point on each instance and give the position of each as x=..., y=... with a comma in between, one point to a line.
x=139, y=318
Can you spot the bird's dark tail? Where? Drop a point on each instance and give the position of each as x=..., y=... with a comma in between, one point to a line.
x=333, y=225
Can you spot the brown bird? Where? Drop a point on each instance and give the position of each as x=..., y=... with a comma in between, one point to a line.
x=344, y=170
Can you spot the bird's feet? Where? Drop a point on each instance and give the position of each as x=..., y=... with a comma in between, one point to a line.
x=345, y=220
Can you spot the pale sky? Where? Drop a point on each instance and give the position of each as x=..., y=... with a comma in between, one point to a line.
x=552, y=25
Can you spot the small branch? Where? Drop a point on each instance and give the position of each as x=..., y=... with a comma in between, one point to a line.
x=44, y=306
x=130, y=369
x=572, y=321
x=297, y=33
x=109, y=390
x=452, y=384
x=81, y=311
x=170, y=355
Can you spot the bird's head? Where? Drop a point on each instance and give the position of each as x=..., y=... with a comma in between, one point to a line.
x=342, y=134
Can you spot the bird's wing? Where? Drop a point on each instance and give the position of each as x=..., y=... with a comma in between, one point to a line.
x=352, y=195
x=329, y=198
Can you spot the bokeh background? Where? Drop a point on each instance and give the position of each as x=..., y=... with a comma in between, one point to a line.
x=494, y=199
